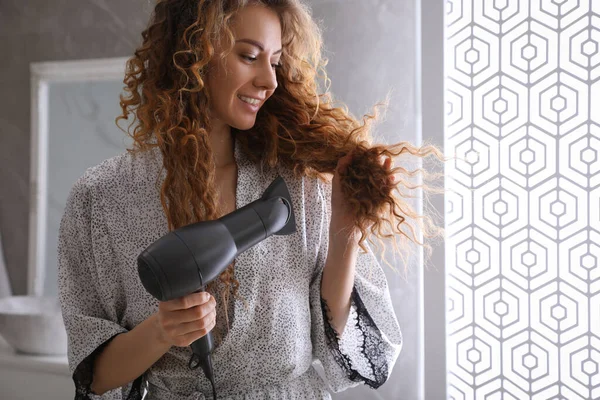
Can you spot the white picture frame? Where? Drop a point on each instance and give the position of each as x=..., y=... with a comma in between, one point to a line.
x=42, y=74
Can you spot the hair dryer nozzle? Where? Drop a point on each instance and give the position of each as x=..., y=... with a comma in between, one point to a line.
x=278, y=188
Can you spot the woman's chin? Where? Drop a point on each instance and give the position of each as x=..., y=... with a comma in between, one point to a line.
x=244, y=125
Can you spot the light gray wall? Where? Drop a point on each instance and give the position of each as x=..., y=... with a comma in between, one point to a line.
x=81, y=116
x=41, y=30
x=372, y=47
x=431, y=114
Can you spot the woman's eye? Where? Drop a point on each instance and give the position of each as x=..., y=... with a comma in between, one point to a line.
x=252, y=59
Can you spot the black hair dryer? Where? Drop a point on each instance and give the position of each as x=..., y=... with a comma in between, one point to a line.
x=187, y=259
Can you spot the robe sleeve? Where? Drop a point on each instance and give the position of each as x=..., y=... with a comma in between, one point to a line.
x=371, y=342
x=86, y=313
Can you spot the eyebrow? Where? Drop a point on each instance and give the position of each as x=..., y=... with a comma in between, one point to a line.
x=257, y=44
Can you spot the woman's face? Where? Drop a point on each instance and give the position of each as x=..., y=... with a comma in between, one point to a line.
x=241, y=85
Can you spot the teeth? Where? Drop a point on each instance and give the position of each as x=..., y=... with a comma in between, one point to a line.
x=249, y=100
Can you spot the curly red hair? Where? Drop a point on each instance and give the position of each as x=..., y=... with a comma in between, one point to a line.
x=298, y=127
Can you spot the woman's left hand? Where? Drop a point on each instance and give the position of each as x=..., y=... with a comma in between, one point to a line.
x=342, y=225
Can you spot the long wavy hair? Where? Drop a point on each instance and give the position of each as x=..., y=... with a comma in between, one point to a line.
x=298, y=127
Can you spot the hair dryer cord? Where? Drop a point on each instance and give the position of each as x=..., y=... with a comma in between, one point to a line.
x=206, y=364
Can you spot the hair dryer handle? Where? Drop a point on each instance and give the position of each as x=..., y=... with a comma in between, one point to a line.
x=201, y=357
x=202, y=348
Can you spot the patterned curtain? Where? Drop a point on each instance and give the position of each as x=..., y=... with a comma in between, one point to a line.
x=523, y=212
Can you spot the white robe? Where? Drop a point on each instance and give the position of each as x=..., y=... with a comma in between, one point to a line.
x=114, y=212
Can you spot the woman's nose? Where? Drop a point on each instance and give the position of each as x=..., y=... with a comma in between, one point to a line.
x=266, y=77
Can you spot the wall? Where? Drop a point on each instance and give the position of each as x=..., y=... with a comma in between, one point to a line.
x=39, y=30
x=371, y=46
x=81, y=114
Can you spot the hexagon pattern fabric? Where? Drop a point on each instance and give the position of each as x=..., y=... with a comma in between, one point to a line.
x=523, y=202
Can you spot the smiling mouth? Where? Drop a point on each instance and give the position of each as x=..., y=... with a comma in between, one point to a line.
x=249, y=100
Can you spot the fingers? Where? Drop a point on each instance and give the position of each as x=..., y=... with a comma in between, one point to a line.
x=387, y=164
x=188, y=338
x=343, y=163
x=183, y=320
x=187, y=302
x=205, y=323
x=385, y=161
x=196, y=312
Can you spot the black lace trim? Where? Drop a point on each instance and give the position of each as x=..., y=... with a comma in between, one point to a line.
x=372, y=344
x=85, y=371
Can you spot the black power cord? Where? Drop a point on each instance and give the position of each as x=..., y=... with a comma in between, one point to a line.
x=206, y=364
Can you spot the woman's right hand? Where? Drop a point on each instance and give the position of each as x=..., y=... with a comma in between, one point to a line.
x=186, y=319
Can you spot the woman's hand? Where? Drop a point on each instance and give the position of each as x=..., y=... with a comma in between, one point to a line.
x=342, y=225
x=339, y=271
x=184, y=320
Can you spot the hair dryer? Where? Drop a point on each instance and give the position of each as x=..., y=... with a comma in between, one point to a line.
x=187, y=259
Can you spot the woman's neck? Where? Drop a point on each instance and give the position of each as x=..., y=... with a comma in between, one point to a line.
x=222, y=144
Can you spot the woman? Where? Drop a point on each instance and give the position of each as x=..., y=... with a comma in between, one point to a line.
x=226, y=97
